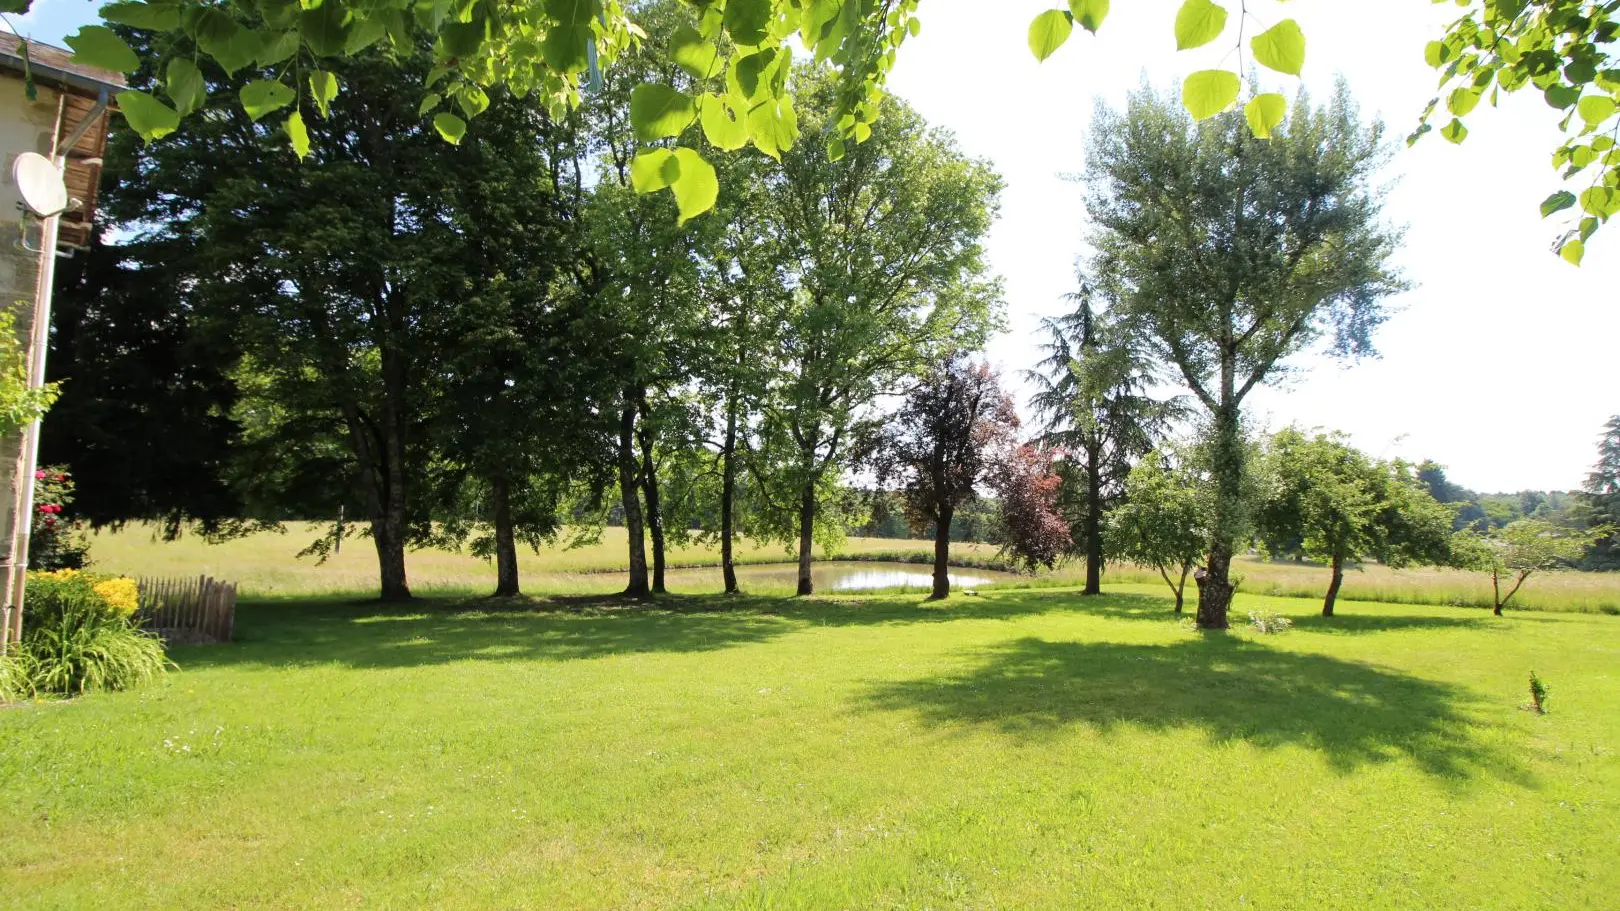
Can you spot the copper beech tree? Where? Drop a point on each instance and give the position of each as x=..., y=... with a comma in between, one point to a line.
x=942, y=444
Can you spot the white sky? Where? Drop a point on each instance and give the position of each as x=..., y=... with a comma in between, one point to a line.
x=1500, y=362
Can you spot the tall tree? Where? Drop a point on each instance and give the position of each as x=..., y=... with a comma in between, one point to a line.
x=140, y=367
x=952, y=430
x=886, y=263
x=1031, y=527
x=1230, y=253
x=523, y=384
x=1092, y=393
x=1344, y=507
x=1602, y=490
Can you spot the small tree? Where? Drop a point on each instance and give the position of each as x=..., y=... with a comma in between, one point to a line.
x=942, y=444
x=1033, y=530
x=1515, y=552
x=1338, y=505
x=1163, y=522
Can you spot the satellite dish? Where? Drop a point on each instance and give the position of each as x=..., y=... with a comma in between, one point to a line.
x=40, y=184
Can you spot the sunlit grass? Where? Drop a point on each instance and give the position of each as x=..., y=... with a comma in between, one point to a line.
x=1019, y=749
x=264, y=564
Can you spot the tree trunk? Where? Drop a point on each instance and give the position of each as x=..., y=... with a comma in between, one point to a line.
x=506, y=568
x=1226, y=454
x=1333, y=586
x=728, y=494
x=1093, y=528
x=807, y=534
x=942, y=554
x=649, y=485
x=630, y=497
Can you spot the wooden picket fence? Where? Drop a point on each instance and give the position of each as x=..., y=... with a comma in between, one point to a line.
x=190, y=610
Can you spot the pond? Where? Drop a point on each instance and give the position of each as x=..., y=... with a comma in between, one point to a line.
x=841, y=576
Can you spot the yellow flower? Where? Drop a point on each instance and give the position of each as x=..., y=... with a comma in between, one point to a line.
x=120, y=593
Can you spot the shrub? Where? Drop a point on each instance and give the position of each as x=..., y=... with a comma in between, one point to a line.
x=1268, y=622
x=1538, y=694
x=80, y=635
x=56, y=541
x=14, y=682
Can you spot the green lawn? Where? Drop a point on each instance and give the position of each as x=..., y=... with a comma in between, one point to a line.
x=1023, y=749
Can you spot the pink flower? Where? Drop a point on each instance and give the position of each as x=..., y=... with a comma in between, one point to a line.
x=39, y=475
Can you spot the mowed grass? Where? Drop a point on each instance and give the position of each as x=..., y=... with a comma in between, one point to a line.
x=264, y=564
x=1022, y=750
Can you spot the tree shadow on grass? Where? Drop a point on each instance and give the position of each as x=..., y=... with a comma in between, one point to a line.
x=371, y=634
x=441, y=630
x=1353, y=714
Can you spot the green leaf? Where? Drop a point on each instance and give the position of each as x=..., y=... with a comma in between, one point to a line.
x=185, y=85
x=1454, y=131
x=835, y=148
x=1089, y=13
x=1572, y=251
x=658, y=112
x=1209, y=92
x=450, y=127
x=296, y=132
x=428, y=103
x=323, y=86
x=1600, y=201
x=324, y=28
x=1436, y=54
x=463, y=39
x=725, y=126
x=1557, y=202
x=1281, y=47
x=914, y=25
x=100, y=47
x=473, y=100
x=653, y=170
x=220, y=37
x=747, y=21
x=363, y=33
x=1561, y=96
x=747, y=70
x=1594, y=109
x=1265, y=113
x=693, y=54
x=1462, y=101
x=261, y=96
x=774, y=126
x=155, y=17
x=567, y=48
x=1198, y=22
x=278, y=47
x=149, y=117
x=1048, y=32
x=697, y=187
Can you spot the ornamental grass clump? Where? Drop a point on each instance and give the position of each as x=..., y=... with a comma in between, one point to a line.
x=80, y=635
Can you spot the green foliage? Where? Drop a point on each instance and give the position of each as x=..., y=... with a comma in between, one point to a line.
x=1539, y=691
x=1252, y=251
x=1562, y=49
x=20, y=403
x=1337, y=505
x=74, y=641
x=1163, y=520
x=1513, y=553
x=56, y=539
x=1048, y=32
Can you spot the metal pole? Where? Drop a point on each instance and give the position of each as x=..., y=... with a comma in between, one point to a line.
x=38, y=347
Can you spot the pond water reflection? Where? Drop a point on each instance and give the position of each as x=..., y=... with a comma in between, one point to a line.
x=843, y=576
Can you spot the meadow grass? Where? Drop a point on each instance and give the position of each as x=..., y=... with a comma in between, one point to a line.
x=1025, y=749
x=264, y=564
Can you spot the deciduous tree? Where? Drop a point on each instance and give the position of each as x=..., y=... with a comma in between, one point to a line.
x=1162, y=520
x=1515, y=552
x=1231, y=253
x=954, y=427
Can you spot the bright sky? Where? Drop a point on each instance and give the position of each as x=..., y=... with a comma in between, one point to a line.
x=1499, y=363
